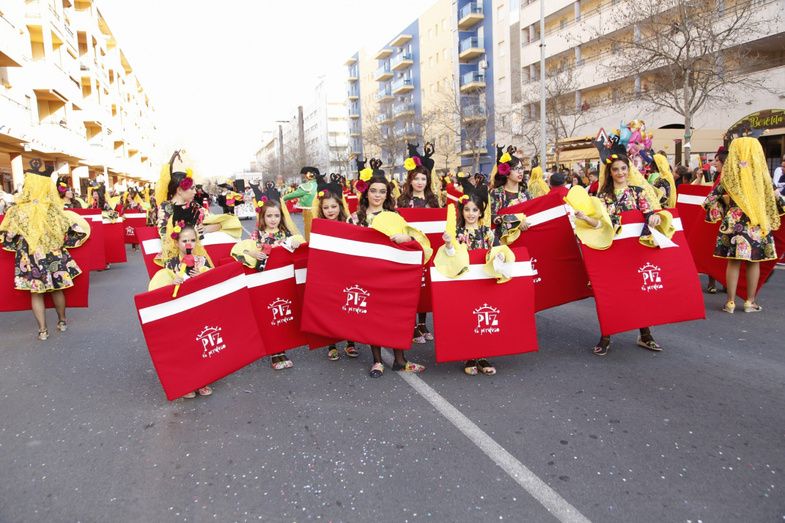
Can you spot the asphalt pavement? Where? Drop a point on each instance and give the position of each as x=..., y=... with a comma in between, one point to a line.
x=694, y=433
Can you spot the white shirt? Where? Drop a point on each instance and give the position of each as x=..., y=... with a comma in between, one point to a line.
x=779, y=183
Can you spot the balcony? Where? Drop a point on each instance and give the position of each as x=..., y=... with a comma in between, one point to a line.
x=474, y=113
x=384, y=118
x=353, y=93
x=472, y=81
x=469, y=16
x=402, y=85
x=385, y=52
x=354, y=73
x=401, y=62
x=400, y=40
x=12, y=48
x=355, y=130
x=408, y=132
x=354, y=110
x=403, y=111
x=50, y=82
x=470, y=49
x=384, y=95
x=383, y=73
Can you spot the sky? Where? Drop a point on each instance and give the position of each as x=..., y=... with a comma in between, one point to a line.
x=220, y=73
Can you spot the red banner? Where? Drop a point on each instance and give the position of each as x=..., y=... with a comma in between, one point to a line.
x=431, y=222
x=276, y=303
x=94, y=248
x=114, y=242
x=550, y=240
x=475, y=317
x=702, y=239
x=352, y=200
x=217, y=244
x=637, y=286
x=12, y=300
x=204, y=334
x=132, y=221
x=361, y=286
x=300, y=259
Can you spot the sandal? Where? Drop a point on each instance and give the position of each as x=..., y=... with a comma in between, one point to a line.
x=190, y=395
x=43, y=335
x=351, y=350
x=730, y=307
x=470, y=367
x=602, y=347
x=205, y=391
x=486, y=367
x=278, y=362
x=377, y=369
x=414, y=368
x=425, y=332
x=332, y=354
x=647, y=342
x=751, y=306
x=288, y=364
x=62, y=326
x=711, y=289
x=418, y=337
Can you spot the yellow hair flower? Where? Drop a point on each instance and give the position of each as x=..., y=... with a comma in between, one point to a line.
x=505, y=158
x=177, y=229
x=409, y=164
x=321, y=194
x=463, y=198
x=366, y=174
x=260, y=203
x=189, y=173
x=462, y=174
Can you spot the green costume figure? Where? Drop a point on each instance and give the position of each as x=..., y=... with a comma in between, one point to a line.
x=305, y=193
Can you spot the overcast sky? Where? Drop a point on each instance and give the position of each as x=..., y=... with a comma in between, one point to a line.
x=219, y=73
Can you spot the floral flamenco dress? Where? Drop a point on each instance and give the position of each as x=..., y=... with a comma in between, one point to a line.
x=738, y=239
x=39, y=233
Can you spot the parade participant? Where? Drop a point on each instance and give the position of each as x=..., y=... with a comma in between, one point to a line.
x=305, y=193
x=661, y=178
x=418, y=193
x=273, y=229
x=509, y=189
x=718, y=163
x=622, y=188
x=749, y=208
x=40, y=233
x=376, y=197
x=67, y=195
x=557, y=185
x=332, y=206
x=537, y=185
x=473, y=234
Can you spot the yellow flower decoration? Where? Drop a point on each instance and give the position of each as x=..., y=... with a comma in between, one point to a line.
x=505, y=158
x=177, y=229
x=409, y=164
x=260, y=203
x=462, y=174
x=366, y=174
x=189, y=173
x=321, y=194
x=463, y=198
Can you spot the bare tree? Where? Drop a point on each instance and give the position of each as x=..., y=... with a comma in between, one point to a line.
x=686, y=54
x=379, y=136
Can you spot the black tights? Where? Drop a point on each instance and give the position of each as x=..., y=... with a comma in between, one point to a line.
x=645, y=333
x=377, y=355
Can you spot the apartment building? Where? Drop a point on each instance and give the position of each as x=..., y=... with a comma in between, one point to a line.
x=69, y=95
x=431, y=81
x=577, y=53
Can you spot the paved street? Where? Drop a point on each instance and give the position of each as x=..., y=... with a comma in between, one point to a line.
x=694, y=433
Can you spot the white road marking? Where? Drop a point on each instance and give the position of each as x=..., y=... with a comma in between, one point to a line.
x=527, y=479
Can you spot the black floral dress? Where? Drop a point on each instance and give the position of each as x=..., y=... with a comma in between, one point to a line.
x=738, y=239
x=630, y=198
x=200, y=262
x=40, y=271
x=501, y=199
x=191, y=214
x=480, y=237
x=269, y=240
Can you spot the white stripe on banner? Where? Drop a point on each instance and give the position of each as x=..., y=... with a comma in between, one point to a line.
x=634, y=230
x=200, y=297
x=135, y=215
x=153, y=246
x=300, y=276
x=116, y=220
x=429, y=227
x=453, y=198
x=269, y=276
x=546, y=216
x=477, y=272
x=94, y=218
x=690, y=199
x=364, y=249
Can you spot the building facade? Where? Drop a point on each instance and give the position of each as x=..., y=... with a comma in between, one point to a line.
x=578, y=59
x=69, y=95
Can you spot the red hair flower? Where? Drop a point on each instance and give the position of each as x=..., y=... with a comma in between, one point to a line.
x=361, y=186
x=503, y=169
x=186, y=183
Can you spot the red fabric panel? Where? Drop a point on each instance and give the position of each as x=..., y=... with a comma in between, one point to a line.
x=431, y=216
x=12, y=300
x=300, y=259
x=352, y=200
x=197, y=346
x=114, y=242
x=144, y=234
x=277, y=306
x=130, y=225
x=358, y=297
x=561, y=276
x=481, y=318
x=637, y=286
x=96, y=259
